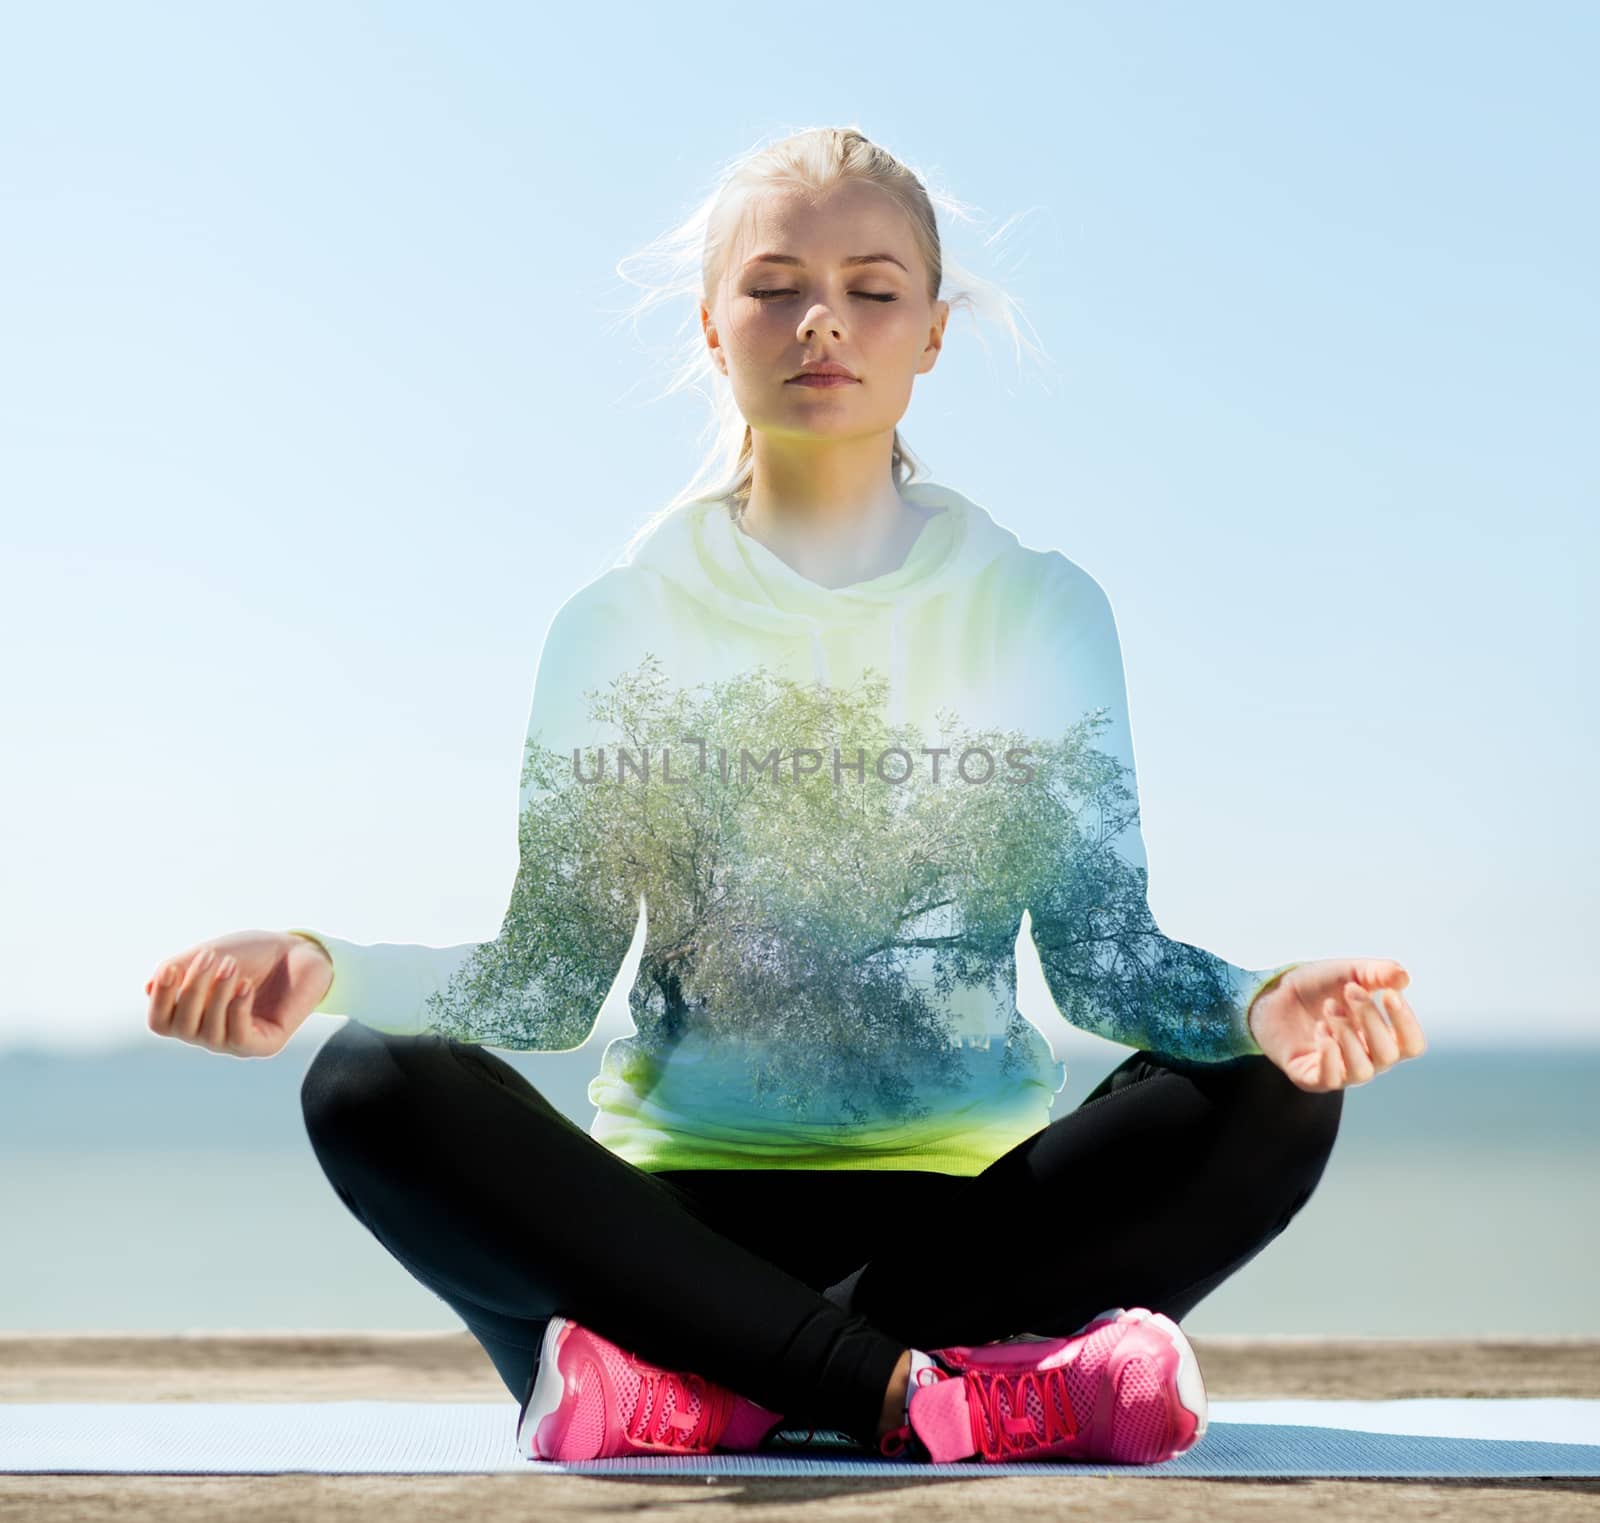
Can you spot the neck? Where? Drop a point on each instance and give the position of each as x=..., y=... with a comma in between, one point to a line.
x=832, y=534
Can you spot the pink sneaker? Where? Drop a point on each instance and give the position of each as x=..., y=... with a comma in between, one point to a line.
x=1124, y=1388
x=592, y=1400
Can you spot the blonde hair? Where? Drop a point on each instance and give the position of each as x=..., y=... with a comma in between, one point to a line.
x=693, y=255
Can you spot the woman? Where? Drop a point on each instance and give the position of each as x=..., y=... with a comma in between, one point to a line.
x=847, y=751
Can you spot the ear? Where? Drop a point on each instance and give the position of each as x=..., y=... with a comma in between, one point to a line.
x=709, y=329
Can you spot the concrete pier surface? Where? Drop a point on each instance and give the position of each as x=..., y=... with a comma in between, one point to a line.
x=317, y=1366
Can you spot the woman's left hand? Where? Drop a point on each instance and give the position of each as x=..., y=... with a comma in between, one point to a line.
x=1323, y=1025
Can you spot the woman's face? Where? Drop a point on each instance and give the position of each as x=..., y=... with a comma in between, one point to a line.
x=768, y=319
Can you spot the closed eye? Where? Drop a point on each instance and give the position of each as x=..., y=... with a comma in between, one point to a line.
x=869, y=295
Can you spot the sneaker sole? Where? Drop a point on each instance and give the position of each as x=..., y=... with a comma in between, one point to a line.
x=1191, y=1384
x=547, y=1393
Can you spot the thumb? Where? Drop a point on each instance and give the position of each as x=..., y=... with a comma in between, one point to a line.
x=1381, y=973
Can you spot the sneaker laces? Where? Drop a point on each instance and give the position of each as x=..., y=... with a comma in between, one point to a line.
x=678, y=1428
x=997, y=1435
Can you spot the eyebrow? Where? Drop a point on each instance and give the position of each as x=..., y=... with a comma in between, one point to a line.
x=853, y=259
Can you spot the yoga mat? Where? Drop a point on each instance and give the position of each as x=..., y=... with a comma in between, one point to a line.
x=1516, y=1437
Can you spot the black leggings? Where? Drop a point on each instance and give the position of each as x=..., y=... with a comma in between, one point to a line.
x=1167, y=1179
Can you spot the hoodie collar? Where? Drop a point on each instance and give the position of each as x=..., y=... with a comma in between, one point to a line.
x=937, y=544
x=709, y=559
x=704, y=552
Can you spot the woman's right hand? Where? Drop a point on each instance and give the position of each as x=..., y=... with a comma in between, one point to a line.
x=245, y=993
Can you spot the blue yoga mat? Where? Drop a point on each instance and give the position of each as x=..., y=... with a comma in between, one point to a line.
x=1520, y=1437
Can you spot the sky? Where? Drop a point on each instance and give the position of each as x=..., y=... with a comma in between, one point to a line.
x=314, y=409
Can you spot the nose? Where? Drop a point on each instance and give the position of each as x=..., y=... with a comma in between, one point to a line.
x=810, y=328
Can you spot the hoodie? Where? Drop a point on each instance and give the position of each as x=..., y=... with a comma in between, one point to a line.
x=845, y=817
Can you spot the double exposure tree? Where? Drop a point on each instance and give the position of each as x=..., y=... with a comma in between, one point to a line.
x=787, y=900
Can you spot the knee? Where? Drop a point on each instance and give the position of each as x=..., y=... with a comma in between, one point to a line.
x=352, y=1083
x=1302, y=1123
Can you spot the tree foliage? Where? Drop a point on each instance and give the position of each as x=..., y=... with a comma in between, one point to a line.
x=788, y=907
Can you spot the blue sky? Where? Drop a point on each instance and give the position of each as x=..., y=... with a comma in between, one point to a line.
x=314, y=411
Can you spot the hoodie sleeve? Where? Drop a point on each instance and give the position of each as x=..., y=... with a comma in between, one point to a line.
x=540, y=983
x=1110, y=968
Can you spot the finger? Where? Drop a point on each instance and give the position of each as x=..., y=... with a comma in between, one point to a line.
x=241, y=1018
x=173, y=993
x=1337, y=1011
x=214, y=1015
x=1407, y=1028
x=162, y=998
x=192, y=996
x=1358, y=1066
x=1333, y=1075
x=1381, y=972
x=1325, y=1075
x=1382, y=1045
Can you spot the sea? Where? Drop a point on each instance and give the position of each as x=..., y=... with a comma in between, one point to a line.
x=158, y=1187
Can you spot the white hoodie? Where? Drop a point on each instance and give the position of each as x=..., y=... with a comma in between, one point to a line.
x=837, y=808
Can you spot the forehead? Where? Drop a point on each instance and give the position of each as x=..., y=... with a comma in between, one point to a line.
x=854, y=218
